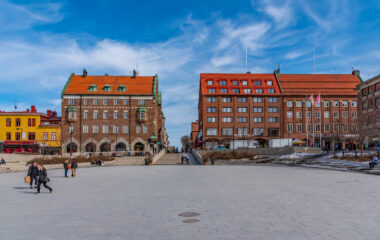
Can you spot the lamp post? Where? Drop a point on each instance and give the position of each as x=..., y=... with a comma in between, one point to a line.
x=20, y=136
x=71, y=139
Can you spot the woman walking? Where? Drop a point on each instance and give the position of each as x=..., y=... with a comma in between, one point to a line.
x=42, y=179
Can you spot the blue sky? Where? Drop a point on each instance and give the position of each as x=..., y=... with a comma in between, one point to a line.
x=42, y=42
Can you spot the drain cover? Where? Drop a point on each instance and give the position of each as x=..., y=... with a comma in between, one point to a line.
x=191, y=220
x=189, y=214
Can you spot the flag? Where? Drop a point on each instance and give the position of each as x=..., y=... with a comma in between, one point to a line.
x=311, y=99
x=307, y=101
x=318, y=99
x=376, y=108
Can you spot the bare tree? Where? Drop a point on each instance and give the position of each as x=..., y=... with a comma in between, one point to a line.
x=185, y=141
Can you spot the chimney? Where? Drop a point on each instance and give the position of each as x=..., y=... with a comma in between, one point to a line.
x=33, y=109
x=356, y=73
x=277, y=72
x=48, y=112
x=54, y=114
x=134, y=74
x=84, y=73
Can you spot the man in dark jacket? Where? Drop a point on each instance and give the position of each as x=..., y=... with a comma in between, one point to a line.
x=74, y=166
x=33, y=173
x=42, y=179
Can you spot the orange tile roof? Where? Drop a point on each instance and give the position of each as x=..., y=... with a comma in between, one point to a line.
x=141, y=85
x=326, y=84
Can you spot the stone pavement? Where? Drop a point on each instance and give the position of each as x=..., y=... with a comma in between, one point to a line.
x=233, y=202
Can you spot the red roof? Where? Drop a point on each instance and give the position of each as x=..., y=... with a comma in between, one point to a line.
x=230, y=77
x=141, y=85
x=326, y=84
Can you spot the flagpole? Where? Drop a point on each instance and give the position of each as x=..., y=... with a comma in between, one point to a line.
x=307, y=132
x=312, y=124
x=320, y=122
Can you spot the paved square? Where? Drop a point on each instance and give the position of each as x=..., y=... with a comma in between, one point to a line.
x=234, y=202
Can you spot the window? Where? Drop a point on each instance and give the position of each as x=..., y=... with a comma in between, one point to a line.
x=242, y=131
x=105, y=101
x=211, y=109
x=142, y=102
x=8, y=122
x=226, y=109
x=272, y=132
x=115, y=129
x=244, y=83
x=258, y=119
x=242, y=109
x=85, y=101
x=317, y=104
x=344, y=103
x=298, y=103
x=211, y=132
x=336, y=127
x=272, y=99
x=273, y=109
x=85, y=128
x=17, y=136
x=115, y=102
x=141, y=115
x=259, y=90
x=53, y=136
x=223, y=90
x=242, y=99
x=345, y=128
x=31, y=136
x=72, y=115
x=96, y=114
x=125, y=128
x=327, y=104
x=138, y=129
x=18, y=122
x=317, y=114
x=354, y=103
x=105, y=129
x=125, y=114
x=299, y=114
x=317, y=128
x=290, y=127
x=327, y=127
x=211, y=90
x=122, y=88
x=236, y=90
x=326, y=114
x=96, y=101
x=92, y=88
x=258, y=131
x=95, y=128
x=29, y=122
x=257, y=109
x=227, y=131
x=33, y=122
x=235, y=83
x=257, y=99
x=345, y=114
x=210, y=82
x=226, y=99
x=308, y=114
x=85, y=114
x=247, y=90
x=211, y=99
x=364, y=106
x=270, y=83
x=211, y=119
x=226, y=119
x=308, y=127
x=115, y=115
x=271, y=91
x=72, y=101
x=354, y=114
x=9, y=136
x=289, y=104
x=125, y=101
x=222, y=83
x=145, y=129
x=299, y=127
x=336, y=114
x=257, y=83
x=364, y=92
x=242, y=119
x=105, y=114
x=289, y=114
x=336, y=103
x=273, y=119
x=107, y=88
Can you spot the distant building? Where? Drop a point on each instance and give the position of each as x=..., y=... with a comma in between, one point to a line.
x=194, y=131
x=238, y=108
x=30, y=131
x=369, y=109
x=112, y=113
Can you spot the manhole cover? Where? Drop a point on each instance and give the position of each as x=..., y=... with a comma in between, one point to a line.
x=189, y=214
x=191, y=220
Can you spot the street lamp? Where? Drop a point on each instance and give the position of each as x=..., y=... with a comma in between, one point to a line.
x=20, y=136
x=71, y=139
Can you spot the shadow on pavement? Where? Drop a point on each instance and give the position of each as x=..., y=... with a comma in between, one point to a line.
x=21, y=187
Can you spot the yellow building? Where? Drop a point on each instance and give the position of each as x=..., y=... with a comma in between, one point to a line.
x=30, y=131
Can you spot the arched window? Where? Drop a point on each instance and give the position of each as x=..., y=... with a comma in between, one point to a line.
x=92, y=88
x=122, y=88
x=107, y=88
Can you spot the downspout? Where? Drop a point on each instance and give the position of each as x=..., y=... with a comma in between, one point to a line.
x=80, y=125
x=277, y=75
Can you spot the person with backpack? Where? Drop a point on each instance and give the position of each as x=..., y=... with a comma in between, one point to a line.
x=42, y=179
x=33, y=173
x=66, y=166
x=74, y=166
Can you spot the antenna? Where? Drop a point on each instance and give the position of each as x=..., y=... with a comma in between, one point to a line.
x=15, y=105
x=314, y=60
x=246, y=59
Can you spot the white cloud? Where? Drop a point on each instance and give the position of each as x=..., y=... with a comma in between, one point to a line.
x=296, y=54
x=281, y=12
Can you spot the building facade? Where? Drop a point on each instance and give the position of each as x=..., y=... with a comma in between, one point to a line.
x=30, y=131
x=112, y=113
x=369, y=109
x=238, y=108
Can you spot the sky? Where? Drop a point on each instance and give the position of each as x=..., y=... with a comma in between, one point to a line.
x=42, y=42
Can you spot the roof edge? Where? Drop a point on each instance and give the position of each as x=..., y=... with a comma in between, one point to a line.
x=67, y=84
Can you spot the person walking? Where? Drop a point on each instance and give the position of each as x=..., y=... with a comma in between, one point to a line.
x=66, y=166
x=42, y=179
x=33, y=173
x=3, y=161
x=74, y=166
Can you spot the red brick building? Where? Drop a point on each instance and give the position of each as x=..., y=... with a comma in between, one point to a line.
x=243, y=107
x=194, y=131
x=112, y=113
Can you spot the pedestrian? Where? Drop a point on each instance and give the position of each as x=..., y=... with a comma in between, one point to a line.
x=212, y=160
x=42, y=179
x=66, y=166
x=33, y=173
x=373, y=162
x=3, y=161
x=74, y=166
x=182, y=159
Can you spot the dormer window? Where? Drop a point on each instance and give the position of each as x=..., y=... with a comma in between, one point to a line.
x=107, y=88
x=92, y=88
x=122, y=88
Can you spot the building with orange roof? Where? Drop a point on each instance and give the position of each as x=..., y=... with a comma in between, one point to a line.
x=112, y=114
